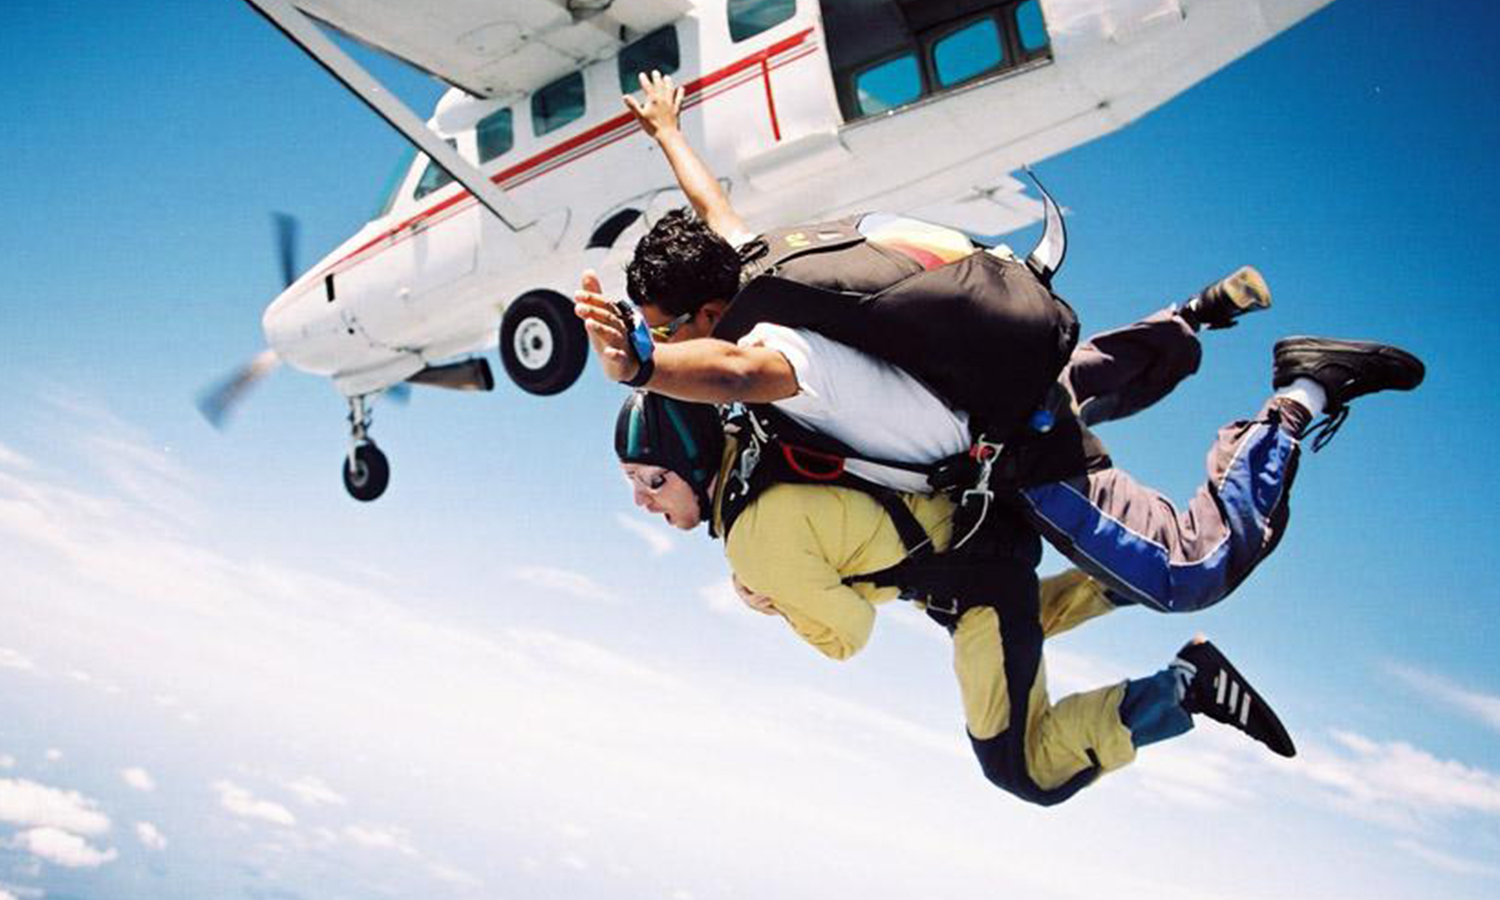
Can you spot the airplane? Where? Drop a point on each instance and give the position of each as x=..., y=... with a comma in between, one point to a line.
x=530, y=169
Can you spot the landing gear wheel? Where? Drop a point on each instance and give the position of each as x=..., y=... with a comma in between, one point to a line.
x=542, y=344
x=366, y=478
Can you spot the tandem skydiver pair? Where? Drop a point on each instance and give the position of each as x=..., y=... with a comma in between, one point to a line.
x=806, y=547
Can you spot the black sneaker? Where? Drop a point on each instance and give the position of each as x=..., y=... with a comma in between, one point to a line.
x=1218, y=305
x=1345, y=369
x=1216, y=690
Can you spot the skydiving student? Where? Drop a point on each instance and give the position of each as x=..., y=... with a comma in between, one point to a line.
x=807, y=549
x=685, y=277
x=816, y=554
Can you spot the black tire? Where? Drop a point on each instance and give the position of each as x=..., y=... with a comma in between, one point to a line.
x=367, y=478
x=542, y=344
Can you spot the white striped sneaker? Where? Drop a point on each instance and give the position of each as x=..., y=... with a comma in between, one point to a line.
x=1215, y=689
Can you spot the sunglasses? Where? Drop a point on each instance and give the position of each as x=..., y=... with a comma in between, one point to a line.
x=665, y=332
x=651, y=483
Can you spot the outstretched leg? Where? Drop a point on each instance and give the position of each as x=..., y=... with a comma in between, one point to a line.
x=1121, y=372
x=1044, y=753
x=1136, y=541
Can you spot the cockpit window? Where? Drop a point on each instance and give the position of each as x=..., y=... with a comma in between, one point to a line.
x=393, y=181
x=557, y=104
x=1033, y=28
x=747, y=18
x=888, y=85
x=495, y=134
x=657, y=50
x=890, y=53
x=433, y=178
x=969, y=51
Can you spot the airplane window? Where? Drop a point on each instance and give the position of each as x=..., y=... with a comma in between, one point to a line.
x=888, y=85
x=657, y=50
x=557, y=104
x=967, y=52
x=495, y=134
x=1033, y=28
x=433, y=178
x=747, y=18
x=394, y=180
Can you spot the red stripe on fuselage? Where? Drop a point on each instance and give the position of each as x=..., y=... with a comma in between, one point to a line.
x=695, y=93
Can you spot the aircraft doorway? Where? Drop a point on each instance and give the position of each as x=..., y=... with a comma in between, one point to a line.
x=887, y=54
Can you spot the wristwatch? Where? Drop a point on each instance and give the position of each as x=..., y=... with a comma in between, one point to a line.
x=641, y=345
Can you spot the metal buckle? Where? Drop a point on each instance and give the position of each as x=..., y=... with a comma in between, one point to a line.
x=985, y=453
x=950, y=610
x=749, y=459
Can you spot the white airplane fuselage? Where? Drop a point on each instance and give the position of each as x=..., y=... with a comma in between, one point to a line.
x=430, y=279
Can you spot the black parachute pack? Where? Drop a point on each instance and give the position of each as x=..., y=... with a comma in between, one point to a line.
x=985, y=333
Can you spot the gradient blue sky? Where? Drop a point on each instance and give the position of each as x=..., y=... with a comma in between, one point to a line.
x=221, y=677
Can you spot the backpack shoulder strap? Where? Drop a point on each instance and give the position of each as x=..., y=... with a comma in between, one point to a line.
x=767, y=252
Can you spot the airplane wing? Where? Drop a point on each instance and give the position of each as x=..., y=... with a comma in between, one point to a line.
x=490, y=48
x=986, y=210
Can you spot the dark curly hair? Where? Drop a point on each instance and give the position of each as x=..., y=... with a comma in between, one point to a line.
x=682, y=264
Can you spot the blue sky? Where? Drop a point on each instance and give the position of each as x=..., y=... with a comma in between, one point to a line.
x=221, y=677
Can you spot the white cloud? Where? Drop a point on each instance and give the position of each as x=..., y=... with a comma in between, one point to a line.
x=1395, y=777
x=661, y=739
x=6, y=895
x=241, y=802
x=136, y=464
x=53, y=754
x=565, y=581
x=13, y=459
x=27, y=803
x=1483, y=707
x=138, y=778
x=150, y=836
x=656, y=537
x=62, y=848
x=315, y=791
x=721, y=598
x=14, y=659
x=452, y=875
x=1445, y=861
x=379, y=837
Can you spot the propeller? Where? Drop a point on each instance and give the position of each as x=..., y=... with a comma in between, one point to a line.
x=400, y=392
x=219, y=401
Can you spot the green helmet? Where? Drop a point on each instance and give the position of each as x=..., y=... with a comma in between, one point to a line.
x=683, y=437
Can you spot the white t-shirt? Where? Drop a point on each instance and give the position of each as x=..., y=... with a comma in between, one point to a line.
x=876, y=408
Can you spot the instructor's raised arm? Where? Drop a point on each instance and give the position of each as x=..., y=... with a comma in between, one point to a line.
x=658, y=115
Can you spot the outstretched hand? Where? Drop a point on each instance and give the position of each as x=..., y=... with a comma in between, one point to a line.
x=662, y=106
x=606, y=330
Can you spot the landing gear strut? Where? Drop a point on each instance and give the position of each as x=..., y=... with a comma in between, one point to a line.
x=366, y=472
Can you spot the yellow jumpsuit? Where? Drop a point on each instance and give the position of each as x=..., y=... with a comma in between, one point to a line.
x=796, y=543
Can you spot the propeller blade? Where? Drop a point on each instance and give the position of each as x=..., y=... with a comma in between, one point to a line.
x=286, y=246
x=219, y=401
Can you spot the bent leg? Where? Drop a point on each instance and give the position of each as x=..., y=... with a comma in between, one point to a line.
x=1134, y=540
x=1040, y=753
x=1121, y=372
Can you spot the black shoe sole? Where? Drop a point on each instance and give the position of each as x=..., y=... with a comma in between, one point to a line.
x=1377, y=367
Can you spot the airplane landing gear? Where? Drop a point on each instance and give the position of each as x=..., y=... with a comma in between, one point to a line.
x=366, y=472
x=542, y=344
